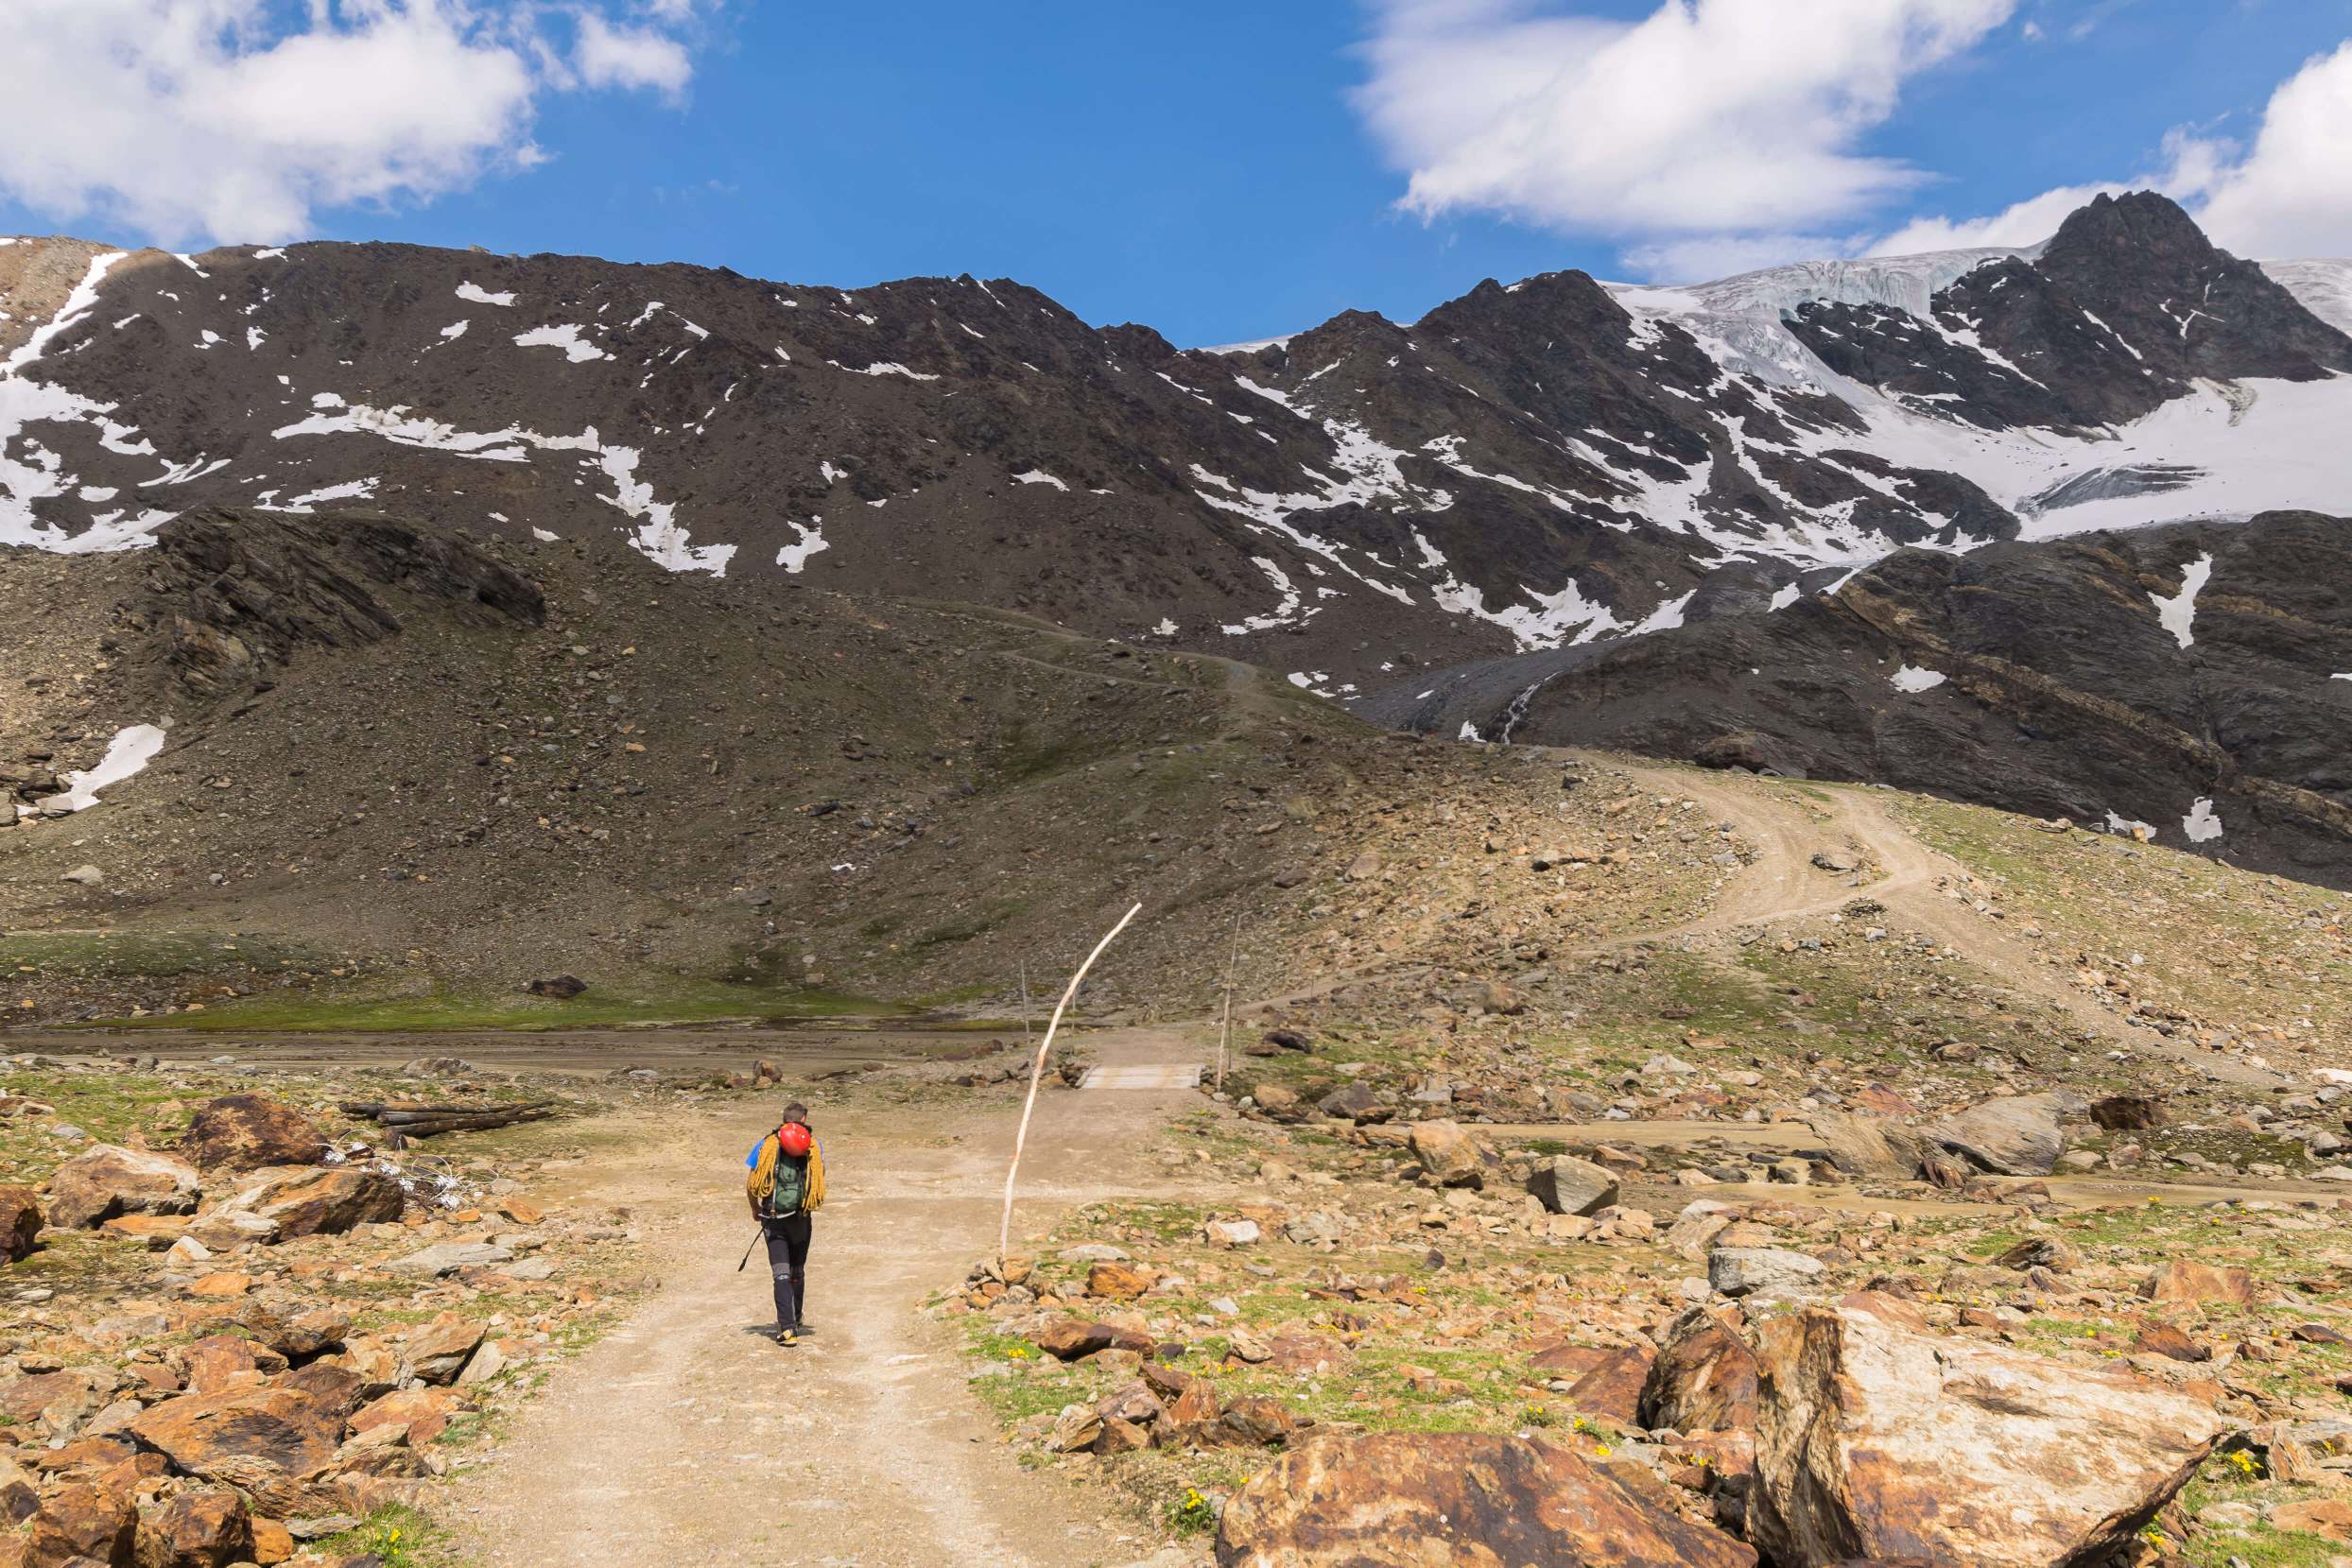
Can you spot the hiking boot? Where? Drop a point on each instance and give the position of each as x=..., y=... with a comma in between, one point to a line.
x=787, y=1336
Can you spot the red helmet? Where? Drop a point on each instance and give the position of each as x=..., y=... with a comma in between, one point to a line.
x=793, y=1138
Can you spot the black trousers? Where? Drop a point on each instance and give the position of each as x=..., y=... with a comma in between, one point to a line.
x=788, y=1259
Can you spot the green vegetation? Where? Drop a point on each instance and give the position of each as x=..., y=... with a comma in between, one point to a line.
x=667, y=999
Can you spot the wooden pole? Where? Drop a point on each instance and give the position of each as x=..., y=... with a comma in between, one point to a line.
x=1225, y=1039
x=1037, y=1073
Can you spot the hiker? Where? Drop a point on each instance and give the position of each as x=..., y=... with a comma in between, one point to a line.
x=787, y=1185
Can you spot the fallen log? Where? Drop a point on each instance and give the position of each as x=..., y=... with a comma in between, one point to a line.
x=405, y=1121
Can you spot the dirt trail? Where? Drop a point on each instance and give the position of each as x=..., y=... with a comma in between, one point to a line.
x=1784, y=884
x=685, y=1439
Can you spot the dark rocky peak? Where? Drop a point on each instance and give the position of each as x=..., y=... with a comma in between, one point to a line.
x=2191, y=308
x=1556, y=304
x=1144, y=345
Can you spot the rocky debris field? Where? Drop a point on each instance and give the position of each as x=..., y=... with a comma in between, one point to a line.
x=237, y=1327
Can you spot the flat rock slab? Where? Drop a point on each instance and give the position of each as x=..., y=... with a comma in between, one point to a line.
x=1141, y=1077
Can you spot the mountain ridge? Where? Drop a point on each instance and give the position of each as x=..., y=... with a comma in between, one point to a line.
x=1527, y=465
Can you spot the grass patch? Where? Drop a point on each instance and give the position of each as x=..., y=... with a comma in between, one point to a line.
x=669, y=999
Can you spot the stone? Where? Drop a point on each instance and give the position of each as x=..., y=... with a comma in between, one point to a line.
x=486, y=1363
x=1119, y=1282
x=1076, y=1430
x=102, y=1181
x=1255, y=1422
x=225, y=1361
x=447, y=1257
x=562, y=988
x=1354, y=1102
x=438, y=1351
x=309, y=1201
x=2198, y=1282
x=1878, y=1440
x=425, y=1413
x=81, y=1523
x=1612, y=1390
x=2051, y=1252
x=1703, y=1380
x=2128, y=1112
x=273, y=1542
x=1450, y=1154
x=1364, y=866
x=1277, y=1101
x=246, y=1437
x=1074, y=1339
x=87, y=876
x=1566, y=1185
x=20, y=1219
x=2013, y=1135
x=1455, y=1500
x=1862, y=1146
x=1231, y=1233
x=211, y=1527
x=2171, y=1341
x=1765, y=1271
x=247, y=1131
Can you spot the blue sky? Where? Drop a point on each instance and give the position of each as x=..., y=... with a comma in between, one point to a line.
x=1215, y=169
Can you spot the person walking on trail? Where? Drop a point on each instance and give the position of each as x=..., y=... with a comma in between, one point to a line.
x=787, y=1186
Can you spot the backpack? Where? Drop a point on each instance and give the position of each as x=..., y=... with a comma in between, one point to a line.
x=791, y=1186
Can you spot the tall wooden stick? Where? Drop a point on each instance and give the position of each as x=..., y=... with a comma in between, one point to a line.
x=1027, y=1034
x=1225, y=1039
x=1037, y=1073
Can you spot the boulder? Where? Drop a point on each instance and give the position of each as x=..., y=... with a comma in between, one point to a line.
x=102, y=1181
x=1704, y=1379
x=1278, y=1102
x=2013, y=1135
x=251, y=1438
x=1119, y=1282
x=1878, y=1440
x=2198, y=1282
x=225, y=1361
x=20, y=1221
x=560, y=986
x=1473, y=1499
x=1450, y=1154
x=1612, y=1390
x=447, y=1257
x=1354, y=1102
x=423, y=1413
x=1072, y=1340
x=1231, y=1233
x=80, y=1524
x=437, y=1352
x=247, y=1131
x=1566, y=1185
x=1771, y=1272
x=311, y=1201
x=207, y=1528
x=1862, y=1146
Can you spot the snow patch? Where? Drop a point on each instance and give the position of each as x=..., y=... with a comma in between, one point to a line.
x=793, y=556
x=126, y=755
x=1039, y=476
x=455, y=329
x=481, y=296
x=1910, y=678
x=2202, y=823
x=2179, y=612
x=559, y=336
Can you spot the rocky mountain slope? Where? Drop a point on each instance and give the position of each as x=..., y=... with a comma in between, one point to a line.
x=359, y=753
x=2191, y=682
x=1553, y=461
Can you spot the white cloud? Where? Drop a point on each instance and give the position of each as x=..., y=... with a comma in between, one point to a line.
x=2289, y=194
x=631, y=56
x=2028, y=223
x=1708, y=118
x=2286, y=195
x=237, y=119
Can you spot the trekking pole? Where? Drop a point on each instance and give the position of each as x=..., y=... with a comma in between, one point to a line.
x=747, y=1251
